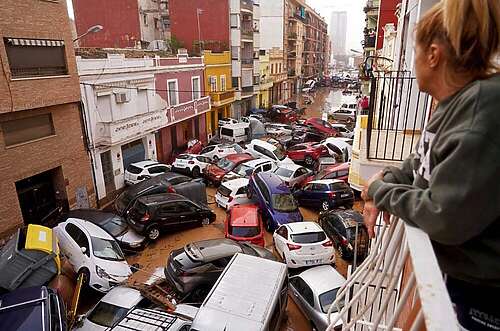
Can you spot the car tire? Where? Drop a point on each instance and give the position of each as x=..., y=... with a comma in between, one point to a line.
x=205, y=221
x=153, y=233
x=195, y=172
x=86, y=276
x=309, y=160
x=325, y=206
x=215, y=158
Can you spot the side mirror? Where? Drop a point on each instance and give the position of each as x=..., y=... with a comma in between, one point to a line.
x=84, y=250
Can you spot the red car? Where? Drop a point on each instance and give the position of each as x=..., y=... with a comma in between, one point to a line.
x=194, y=147
x=307, y=152
x=244, y=223
x=336, y=171
x=322, y=126
x=283, y=114
x=214, y=173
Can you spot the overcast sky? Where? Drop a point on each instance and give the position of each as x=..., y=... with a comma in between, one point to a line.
x=355, y=16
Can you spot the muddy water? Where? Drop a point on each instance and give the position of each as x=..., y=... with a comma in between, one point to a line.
x=155, y=255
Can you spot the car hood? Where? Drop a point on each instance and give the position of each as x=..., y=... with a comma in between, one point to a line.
x=231, y=175
x=120, y=270
x=215, y=170
x=286, y=160
x=131, y=237
x=285, y=218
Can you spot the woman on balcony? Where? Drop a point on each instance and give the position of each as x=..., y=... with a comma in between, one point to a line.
x=449, y=187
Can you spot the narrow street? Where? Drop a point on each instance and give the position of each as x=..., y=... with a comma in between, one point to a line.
x=155, y=255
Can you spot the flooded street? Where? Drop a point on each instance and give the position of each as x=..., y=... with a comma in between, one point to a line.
x=156, y=254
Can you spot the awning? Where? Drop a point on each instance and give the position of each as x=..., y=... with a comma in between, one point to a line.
x=35, y=42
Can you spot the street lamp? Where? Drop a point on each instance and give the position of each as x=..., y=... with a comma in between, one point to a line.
x=92, y=29
x=356, y=51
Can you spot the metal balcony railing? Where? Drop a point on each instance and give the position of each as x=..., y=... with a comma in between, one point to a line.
x=38, y=71
x=399, y=286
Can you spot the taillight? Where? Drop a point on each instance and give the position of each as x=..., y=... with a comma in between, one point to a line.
x=145, y=217
x=328, y=244
x=191, y=162
x=170, y=189
x=331, y=195
x=293, y=247
x=344, y=242
x=230, y=199
x=221, y=151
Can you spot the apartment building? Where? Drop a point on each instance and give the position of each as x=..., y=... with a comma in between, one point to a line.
x=126, y=23
x=44, y=160
x=316, y=46
x=295, y=36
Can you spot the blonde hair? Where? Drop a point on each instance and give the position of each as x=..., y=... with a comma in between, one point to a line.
x=469, y=31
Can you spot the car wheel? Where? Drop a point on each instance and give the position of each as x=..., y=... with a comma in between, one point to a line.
x=309, y=160
x=196, y=172
x=205, y=221
x=86, y=276
x=215, y=158
x=153, y=232
x=325, y=206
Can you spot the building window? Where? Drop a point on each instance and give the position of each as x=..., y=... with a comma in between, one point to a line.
x=145, y=19
x=213, y=83
x=272, y=68
x=173, y=92
x=234, y=52
x=236, y=82
x=27, y=129
x=279, y=69
x=35, y=57
x=196, y=87
x=234, y=20
x=223, y=83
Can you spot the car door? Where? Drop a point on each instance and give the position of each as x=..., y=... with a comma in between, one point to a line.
x=188, y=213
x=318, y=193
x=76, y=240
x=167, y=215
x=303, y=294
x=304, y=195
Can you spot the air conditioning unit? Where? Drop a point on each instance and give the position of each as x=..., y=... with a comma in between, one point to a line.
x=122, y=97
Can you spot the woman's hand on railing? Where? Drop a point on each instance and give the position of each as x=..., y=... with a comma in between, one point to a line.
x=370, y=216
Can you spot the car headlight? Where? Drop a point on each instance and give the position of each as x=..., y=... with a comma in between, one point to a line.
x=101, y=272
x=135, y=245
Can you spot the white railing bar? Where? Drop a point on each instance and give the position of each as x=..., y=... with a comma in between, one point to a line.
x=418, y=322
x=365, y=264
x=392, y=263
x=381, y=326
x=430, y=285
x=402, y=301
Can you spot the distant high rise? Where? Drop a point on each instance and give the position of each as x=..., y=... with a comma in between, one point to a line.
x=338, y=32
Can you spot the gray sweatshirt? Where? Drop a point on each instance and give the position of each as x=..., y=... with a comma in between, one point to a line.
x=450, y=187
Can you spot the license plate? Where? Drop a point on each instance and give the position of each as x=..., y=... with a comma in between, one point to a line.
x=309, y=262
x=344, y=195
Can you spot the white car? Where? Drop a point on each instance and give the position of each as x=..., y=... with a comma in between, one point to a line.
x=303, y=244
x=262, y=149
x=139, y=171
x=225, y=121
x=278, y=129
x=248, y=168
x=344, y=114
x=232, y=193
x=292, y=174
x=314, y=290
x=191, y=164
x=92, y=252
x=343, y=130
x=216, y=152
x=339, y=146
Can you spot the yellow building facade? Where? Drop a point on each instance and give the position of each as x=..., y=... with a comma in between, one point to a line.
x=265, y=83
x=218, y=85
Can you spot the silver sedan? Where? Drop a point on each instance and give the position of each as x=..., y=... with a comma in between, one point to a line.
x=314, y=290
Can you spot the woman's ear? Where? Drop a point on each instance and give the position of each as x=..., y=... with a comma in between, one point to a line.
x=434, y=54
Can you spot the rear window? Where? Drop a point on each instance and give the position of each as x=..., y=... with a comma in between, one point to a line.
x=139, y=209
x=244, y=231
x=226, y=132
x=284, y=172
x=326, y=299
x=338, y=186
x=106, y=314
x=308, y=238
x=224, y=191
x=134, y=170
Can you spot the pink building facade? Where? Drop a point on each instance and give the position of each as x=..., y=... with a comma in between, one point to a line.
x=180, y=82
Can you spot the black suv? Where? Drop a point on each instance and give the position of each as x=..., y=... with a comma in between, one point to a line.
x=194, y=269
x=151, y=214
x=169, y=182
x=340, y=227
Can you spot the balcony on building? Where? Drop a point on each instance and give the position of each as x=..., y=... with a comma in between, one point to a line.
x=247, y=91
x=247, y=29
x=246, y=6
x=371, y=5
x=291, y=73
x=221, y=98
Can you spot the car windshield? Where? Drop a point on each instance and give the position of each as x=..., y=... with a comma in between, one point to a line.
x=326, y=299
x=134, y=170
x=308, y=238
x=225, y=164
x=244, y=231
x=115, y=226
x=284, y=202
x=106, y=249
x=184, y=157
x=243, y=170
x=284, y=172
x=280, y=153
x=123, y=201
x=106, y=314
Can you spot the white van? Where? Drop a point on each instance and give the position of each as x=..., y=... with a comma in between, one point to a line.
x=239, y=132
x=250, y=295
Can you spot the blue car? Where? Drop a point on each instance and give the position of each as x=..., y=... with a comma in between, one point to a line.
x=274, y=199
x=325, y=194
x=32, y=309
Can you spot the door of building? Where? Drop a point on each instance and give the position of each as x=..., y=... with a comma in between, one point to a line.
x=107, y=172
x=133, y=152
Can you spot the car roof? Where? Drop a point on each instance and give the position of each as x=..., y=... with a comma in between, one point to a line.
x=239, y=157
x=92, y=229
x=322, y=278
x=326, y=181
x=264, y=144
x=244, y=215
x=348, y=214
x=212, y=249
x=273, y=182
x=161, y=197
x=123, y=296
x=145, y=164
x=235, y=183
x=255, y=162
x=303, y=227
x=290, y=166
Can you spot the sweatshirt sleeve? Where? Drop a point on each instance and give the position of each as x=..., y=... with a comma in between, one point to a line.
x=463, y=195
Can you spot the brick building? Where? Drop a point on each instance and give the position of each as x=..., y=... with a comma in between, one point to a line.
x=126, y=23
x=43, y=158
